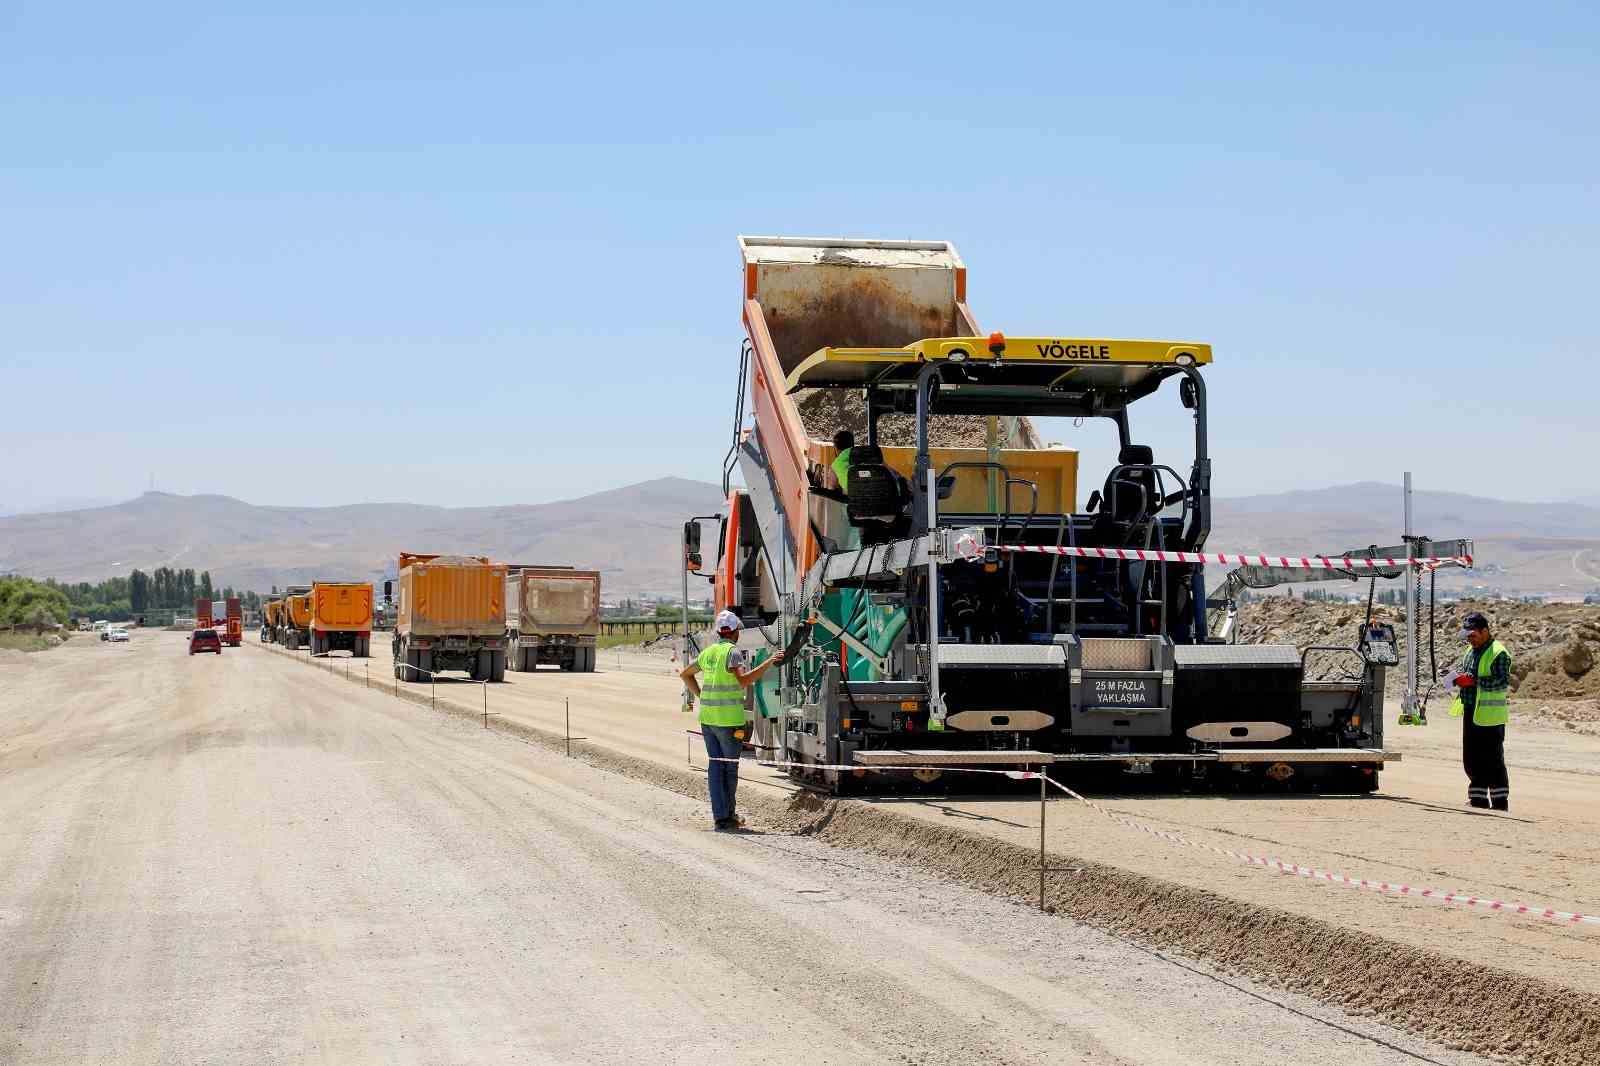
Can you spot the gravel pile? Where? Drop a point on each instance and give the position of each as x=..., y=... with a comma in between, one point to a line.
x=826, y=411
x=1555, y=648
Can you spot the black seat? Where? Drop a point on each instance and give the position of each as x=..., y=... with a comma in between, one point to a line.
x=1132, y=495
x=874, y=491
x=878, y=498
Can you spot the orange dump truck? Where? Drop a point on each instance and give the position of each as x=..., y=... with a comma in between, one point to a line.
x=294, y=621
x=451, y=616
x=341, y=618
x=202, y=614
x=553, y=616
x=233, y=635
x=271, y=620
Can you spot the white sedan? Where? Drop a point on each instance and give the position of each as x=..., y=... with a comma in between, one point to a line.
x=116, y=635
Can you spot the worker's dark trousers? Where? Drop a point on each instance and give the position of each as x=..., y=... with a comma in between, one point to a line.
x=1483, y=753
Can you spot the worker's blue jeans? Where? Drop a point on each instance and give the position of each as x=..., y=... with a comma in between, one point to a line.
x=722, y=778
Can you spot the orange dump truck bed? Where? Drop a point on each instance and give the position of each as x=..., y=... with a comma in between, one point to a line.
x=297, y=611
x=451, y=595
x=341, y=607
x=802, y=294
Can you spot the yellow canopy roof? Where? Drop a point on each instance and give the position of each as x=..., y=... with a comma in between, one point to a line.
x=1079, y=364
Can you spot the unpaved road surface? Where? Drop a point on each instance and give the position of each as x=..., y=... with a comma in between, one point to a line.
x=240, y=859
x=1417, y=830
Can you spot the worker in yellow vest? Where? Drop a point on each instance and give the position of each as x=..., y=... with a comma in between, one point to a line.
x=843, y=441
x=1482, y=702
x=718, y=679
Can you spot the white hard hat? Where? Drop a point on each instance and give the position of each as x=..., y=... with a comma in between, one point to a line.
x=728, y=620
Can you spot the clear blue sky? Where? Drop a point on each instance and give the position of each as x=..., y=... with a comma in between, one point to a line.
x=484, y=253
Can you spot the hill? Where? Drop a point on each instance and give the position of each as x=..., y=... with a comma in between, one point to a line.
x=1550, y=549
x=631, y=534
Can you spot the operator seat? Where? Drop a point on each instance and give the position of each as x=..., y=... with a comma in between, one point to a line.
x=1132, y=495
x=1130, y=499
x=878, y=503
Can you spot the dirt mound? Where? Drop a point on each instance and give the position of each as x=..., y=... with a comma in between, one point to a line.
x=806, y=803
x=1555, y=648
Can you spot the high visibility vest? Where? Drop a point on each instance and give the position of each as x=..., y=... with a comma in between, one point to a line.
x=1490, y=708
x=721, y=695
x=841, y=469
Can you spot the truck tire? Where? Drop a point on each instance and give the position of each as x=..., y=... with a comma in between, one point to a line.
x=425, y=665
x=484, y=666
x=589, y=657
x=497, y=666
x=530, y=660
x=363, y=648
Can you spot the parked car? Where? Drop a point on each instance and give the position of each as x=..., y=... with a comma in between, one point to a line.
x=117, y=635
x=105, y=634
x=205, y=640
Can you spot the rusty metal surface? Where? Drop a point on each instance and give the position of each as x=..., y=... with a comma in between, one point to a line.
x=556, y=601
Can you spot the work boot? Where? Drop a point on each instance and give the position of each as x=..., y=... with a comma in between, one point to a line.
x=1501, y=804
x=722, y=825
x=1480, y=803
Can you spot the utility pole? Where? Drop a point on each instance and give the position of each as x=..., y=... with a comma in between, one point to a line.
x=1408, y=703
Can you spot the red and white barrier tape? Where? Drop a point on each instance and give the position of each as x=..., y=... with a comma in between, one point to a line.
x=1393, y=888
x=1385, y=887
x=968, y=548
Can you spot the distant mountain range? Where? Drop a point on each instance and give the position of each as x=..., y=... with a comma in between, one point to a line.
x=1550, y=549
x=631, y=534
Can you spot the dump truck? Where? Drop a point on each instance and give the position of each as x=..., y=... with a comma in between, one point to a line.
x=271, y=619
x=294, y=621
x=552, y=617
x=232, y=633
x=949, y=604
x=451, y=615
x=341, y=618
x=202, y=614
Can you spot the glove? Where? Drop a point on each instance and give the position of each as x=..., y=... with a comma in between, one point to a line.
x=1466, y=680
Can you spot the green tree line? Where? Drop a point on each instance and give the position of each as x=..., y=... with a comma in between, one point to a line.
x=24, y=601
x=116, y=599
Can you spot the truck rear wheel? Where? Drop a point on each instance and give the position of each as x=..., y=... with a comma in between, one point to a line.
x=586, y=662
x=497, y=666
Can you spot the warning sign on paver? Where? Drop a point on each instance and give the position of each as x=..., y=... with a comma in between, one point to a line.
x=1124, y=691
